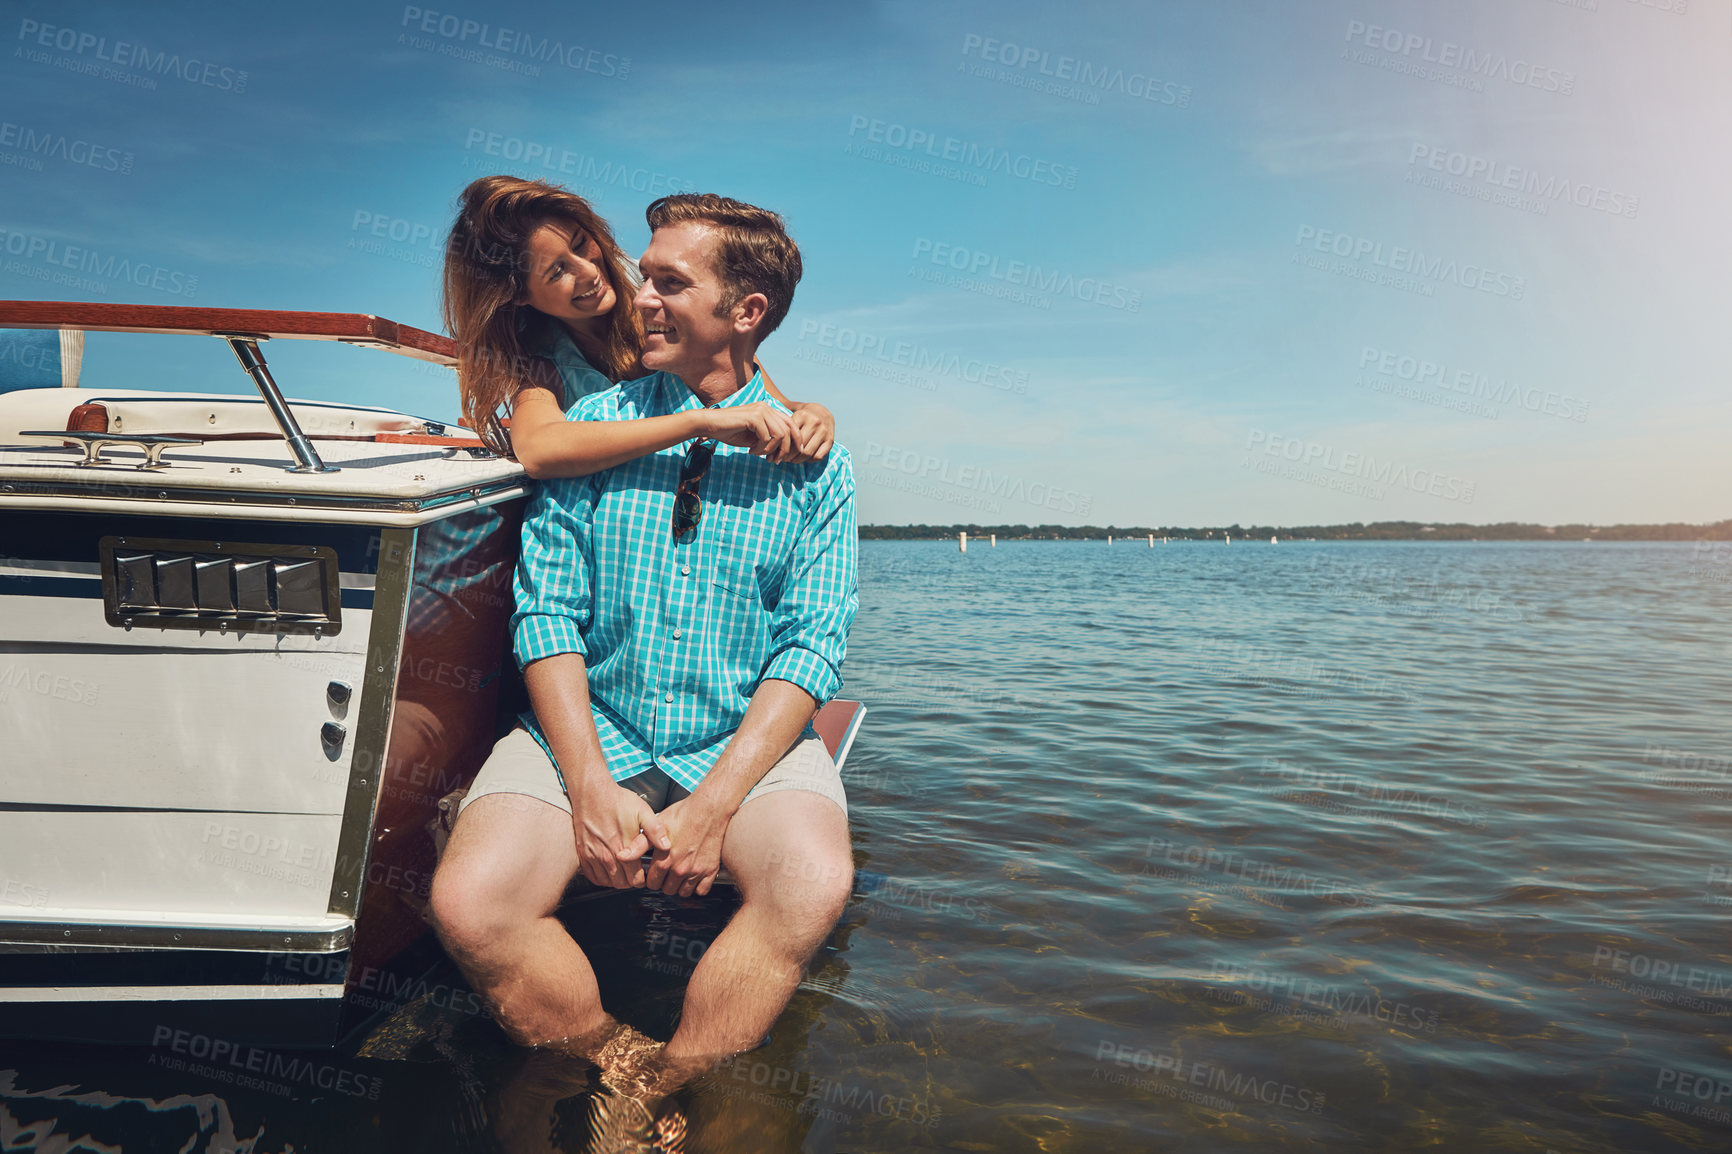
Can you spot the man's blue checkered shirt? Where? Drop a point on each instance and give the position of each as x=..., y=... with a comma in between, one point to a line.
x=677, y=637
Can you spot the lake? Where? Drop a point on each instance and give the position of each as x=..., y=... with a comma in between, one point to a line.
x=1304, y=846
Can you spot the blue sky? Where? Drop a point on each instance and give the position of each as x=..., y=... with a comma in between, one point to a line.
x=1099, y=263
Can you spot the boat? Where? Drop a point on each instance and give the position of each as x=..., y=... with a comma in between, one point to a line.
x=247, y=646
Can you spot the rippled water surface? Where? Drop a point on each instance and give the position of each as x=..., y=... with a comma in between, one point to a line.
x=1330, y=846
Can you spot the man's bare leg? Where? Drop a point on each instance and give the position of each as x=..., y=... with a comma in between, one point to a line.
x=494, y=897
x=790, y=856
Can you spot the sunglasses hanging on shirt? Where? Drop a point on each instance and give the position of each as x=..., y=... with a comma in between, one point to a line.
x=688, y=506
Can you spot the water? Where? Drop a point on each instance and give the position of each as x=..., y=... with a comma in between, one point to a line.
x=1329, y=846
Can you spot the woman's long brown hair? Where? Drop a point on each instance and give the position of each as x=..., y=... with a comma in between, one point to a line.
x=486, y=275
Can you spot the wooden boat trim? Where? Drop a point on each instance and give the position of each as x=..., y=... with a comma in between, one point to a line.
x=243, y=329
x=349, y=328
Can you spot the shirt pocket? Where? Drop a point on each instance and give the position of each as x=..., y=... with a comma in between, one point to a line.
x=756, y=530
x=740, y=616
x=751, y=563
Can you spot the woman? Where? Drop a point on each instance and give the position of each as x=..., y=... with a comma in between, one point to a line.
x=539, y=298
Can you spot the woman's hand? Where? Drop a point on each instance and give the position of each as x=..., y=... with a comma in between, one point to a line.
x=814, y=432
x=814, y=427
x=765, y=430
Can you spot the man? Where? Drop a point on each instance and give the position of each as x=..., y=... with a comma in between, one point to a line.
x=679, y=619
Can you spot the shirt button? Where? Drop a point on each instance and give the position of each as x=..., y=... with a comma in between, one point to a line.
x=685, y=570
x=676, y=635
x=669, y=697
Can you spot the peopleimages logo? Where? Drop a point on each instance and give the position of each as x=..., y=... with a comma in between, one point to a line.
x=58, y=146
x=81, y=259
x=1497, y=177
x=231, y=1060
x=74, y=690
x=826, y=1098
x=248, y=842
x=1712, y=558
x=1668, y=757
x=909, y=355
x=21, y=893
x=1168, y=858
x=1411, y=52
x=552, y=158
x=1696, y=1090
x=1221, y=1080
x=1664, y=979
x=1100, y=78
x=1469, y=383
x=399, y=229
x=127, y=55
x=983, y=158
x=941, y=470
x=1359, y=466
x=1288, y=993
x=1312, y=787
x=460, y=31
x=1024, y=274
x=1369, y=259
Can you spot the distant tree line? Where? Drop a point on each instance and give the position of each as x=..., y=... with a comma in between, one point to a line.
x=1375, y=531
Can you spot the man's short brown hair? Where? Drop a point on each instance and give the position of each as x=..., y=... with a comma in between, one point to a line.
x=754, y=253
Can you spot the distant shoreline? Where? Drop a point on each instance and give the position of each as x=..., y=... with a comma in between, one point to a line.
x=1375, y=531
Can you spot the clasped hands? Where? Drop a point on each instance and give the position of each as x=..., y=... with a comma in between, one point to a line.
x=615, y=828
x=772, y=434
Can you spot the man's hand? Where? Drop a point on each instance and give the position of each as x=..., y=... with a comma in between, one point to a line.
x=814, y=433
x=614, y=828
x=765, y=430
x=686, y=864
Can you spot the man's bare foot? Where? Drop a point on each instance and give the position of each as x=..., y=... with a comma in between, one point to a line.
x=628, y=1063
x=667, y=1072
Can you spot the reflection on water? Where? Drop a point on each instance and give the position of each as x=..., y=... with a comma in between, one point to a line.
x=1315, y=846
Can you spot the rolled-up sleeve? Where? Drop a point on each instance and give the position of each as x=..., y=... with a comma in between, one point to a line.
x=809, y=627
x=555, y=593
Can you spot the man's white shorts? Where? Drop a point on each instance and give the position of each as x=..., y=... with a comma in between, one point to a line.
x=518, y=764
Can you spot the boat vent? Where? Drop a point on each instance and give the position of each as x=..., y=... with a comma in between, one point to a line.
x=220, y=585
